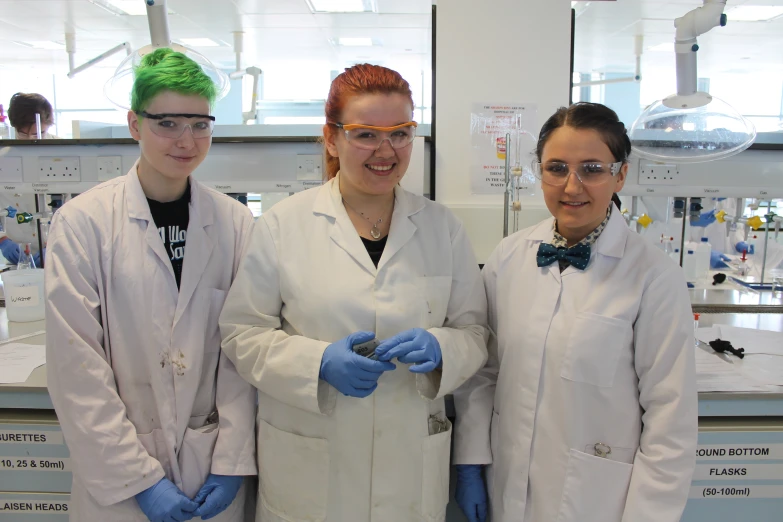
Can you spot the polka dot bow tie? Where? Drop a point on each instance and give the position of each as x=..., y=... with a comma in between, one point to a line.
x=578, y=255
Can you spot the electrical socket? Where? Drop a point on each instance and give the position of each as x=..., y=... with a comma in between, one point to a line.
x=309, y=167
x=658, y=174
x=11, y=169
x=59, y=169
x=108, y=167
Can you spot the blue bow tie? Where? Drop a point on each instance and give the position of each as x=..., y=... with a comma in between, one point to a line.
x=578, y=255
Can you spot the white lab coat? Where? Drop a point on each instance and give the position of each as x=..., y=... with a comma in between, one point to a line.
x=134, y=366
x=581, y=358
x=307, y=281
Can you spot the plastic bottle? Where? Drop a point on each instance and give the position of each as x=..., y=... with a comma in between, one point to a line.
x=25, y=258
x=702, y=252
x=675, y=255
x=689, y=265
x=753, y=245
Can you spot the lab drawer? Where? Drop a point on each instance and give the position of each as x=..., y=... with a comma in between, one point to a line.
x=33, y=454
x=739, y=471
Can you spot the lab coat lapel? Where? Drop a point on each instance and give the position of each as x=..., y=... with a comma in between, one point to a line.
x=612, y=241
x=543, y=233
x=138, y=208
x=329, y=203
x=198, y=247
x=402, y=228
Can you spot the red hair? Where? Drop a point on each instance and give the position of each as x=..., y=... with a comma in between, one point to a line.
x=359, y=79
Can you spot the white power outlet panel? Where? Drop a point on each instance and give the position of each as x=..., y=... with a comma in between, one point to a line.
x=11, y=169
x=658, y=174
x=309, y=167
x=108, y=167
x=59, y=169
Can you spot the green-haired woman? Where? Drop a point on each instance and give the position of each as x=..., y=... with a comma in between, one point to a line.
x=159, y=425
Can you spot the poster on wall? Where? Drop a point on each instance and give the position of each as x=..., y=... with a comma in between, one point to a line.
x=489, y=125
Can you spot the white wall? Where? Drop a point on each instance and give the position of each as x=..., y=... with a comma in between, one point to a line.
x=493, y=51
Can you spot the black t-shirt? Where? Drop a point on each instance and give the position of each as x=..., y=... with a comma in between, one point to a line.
x=172, y=221
x=375, y=248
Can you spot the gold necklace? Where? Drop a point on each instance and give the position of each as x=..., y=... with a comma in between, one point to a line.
x=375, y=232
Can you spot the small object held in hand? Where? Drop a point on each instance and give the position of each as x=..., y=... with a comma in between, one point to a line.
x=721, y=346
x=718, y=279
x=367, y=349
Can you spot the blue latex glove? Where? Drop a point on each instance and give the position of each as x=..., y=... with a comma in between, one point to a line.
x=471, y=495
x=352, y=375
x=164, y=502
x=706, y=219
x=742, y=246
x=717, y=260
x=217, y=493
x=415, y=346
x=12, y=250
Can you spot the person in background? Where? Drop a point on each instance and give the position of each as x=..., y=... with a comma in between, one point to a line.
x=21, y=115
x=342, y=437
x=160, y=426
x=587, y=409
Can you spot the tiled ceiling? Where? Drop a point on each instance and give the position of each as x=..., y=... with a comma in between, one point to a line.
x=286, y=31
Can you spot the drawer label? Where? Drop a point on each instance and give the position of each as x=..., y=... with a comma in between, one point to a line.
x=31, y=437
x=34, y=464
x=736, y=492
x=16, y=506
x=738, y=471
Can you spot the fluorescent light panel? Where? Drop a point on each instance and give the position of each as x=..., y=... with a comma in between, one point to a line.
x=663, y=47
x=42, y=44
x=342, y=6
x=355, y=42
x=131, y=7
x=199, y=42
x=754, y=13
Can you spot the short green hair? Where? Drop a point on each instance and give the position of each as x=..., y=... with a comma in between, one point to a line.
x=167, y=70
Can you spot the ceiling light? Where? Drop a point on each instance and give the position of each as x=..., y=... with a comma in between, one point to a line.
x=754, y=13
x=663, y=47
x=342, y=6
x=131, y=7
x=199, y=42
x=124, y=7
x=43, y=44
x=355, y=42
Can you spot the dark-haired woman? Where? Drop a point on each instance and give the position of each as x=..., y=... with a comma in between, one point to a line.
x=587, y=409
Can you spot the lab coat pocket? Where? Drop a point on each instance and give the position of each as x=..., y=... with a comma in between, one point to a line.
x=436, y=291
x=594, y=348
x=195, y=457
x=595, y=489
x=293, y=474
x=436, y=450
x=212, y=333
x=155, y=444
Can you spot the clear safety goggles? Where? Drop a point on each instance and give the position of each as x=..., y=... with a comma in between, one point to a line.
x=589, y=173
x=173, y=125
x=369, y=137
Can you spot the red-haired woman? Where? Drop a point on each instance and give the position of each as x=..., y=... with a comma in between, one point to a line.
x=343, y=437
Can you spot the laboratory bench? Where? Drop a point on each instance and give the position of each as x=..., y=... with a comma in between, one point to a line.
x=739, y=432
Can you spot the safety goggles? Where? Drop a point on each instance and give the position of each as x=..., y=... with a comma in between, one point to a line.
x=173, y=125
x=589, y=173
x=369, y=137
